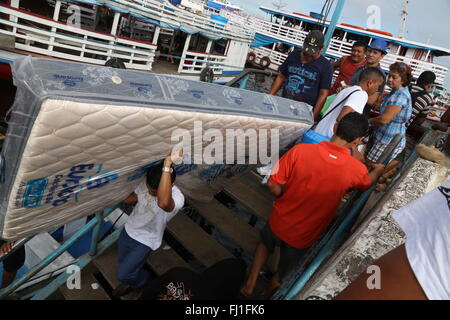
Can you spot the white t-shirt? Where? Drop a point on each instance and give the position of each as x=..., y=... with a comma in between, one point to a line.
x=356, y=101
x=426, y=223
x=147, y=222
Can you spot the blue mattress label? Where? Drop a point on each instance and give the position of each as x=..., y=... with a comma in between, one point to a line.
x=34, y=192
x=63, y=188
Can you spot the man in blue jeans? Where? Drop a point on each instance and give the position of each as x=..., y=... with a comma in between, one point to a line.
x=158, y=201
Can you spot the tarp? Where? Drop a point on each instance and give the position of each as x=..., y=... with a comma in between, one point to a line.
x=161, y=24
x=262, y=40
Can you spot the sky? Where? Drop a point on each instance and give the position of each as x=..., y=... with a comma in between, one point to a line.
x=428, y=21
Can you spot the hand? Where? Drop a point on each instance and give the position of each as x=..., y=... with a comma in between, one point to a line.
x=175, y=157
x=377, y=167
x=6, y=248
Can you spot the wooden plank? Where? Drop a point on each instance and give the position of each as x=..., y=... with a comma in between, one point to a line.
x=229, y=224
x=207, y=250
x=162, y=260
x=86, y=292
x=253, y=200
x=107, y=265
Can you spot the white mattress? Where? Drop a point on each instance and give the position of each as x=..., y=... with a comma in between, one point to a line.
x=81, y=137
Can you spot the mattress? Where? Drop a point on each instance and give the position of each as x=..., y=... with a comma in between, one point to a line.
x=81, y=137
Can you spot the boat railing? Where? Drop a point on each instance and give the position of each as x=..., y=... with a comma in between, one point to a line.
x=194, y=62
x=276, y=58
x=63, y=41
x=417, y=66
x=167, y=13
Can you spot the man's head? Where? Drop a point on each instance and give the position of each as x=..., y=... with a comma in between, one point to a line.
x=359, y=51
x=426, y=79
x=376, y=52
x=371, y=79
x=352, y=128
x=313, y=45
x=154, y=177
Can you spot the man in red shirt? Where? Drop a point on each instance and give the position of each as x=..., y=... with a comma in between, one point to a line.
x=347, y=65
x=309, y=182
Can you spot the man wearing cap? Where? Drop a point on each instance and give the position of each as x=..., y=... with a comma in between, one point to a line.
x=306, y=75
x=375, y=53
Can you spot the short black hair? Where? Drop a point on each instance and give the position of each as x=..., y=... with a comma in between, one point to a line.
x=352, y=126
x=154, y=175
x=425, y=78
x=360, y=44
x=371, y=73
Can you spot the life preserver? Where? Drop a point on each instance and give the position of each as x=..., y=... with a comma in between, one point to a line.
x=352, y=26
x=251, y=57
x=207, y=75
x=381, y=32
x=265, y=62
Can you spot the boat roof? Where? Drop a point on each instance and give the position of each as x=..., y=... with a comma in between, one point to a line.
x=438, y=51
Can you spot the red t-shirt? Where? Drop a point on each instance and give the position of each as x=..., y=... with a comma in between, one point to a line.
x=316, y=177
x=346, y=72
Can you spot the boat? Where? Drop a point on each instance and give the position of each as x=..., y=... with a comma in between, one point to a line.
x=282, y=31
x=141, y=33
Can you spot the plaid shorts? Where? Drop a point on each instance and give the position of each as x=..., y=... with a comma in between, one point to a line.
x=378, y=148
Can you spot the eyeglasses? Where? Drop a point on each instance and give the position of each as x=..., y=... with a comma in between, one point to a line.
x=402, y=65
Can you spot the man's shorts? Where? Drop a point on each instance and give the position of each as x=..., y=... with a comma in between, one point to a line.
x=289, y=256
x=15, y=261
x=377, y=150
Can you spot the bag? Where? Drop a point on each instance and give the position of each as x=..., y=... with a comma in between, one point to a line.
x=327, y=104
x=313, y=137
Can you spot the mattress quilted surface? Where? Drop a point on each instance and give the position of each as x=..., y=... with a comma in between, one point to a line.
x=81, y=137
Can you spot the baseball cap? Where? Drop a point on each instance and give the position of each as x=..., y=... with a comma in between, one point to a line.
x=313, y=42
x=379, y=45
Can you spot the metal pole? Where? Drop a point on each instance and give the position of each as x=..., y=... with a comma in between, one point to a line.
x=55, y=254
x=49, y=259
x=84, y=261
x=333, y=23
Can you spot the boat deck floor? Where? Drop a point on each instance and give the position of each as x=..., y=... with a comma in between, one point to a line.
x=195, y=239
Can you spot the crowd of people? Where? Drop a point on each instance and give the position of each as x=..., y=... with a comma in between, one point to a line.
x=304, y=176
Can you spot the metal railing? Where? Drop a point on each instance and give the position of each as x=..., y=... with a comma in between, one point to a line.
x=96, y=249
x=68, y=42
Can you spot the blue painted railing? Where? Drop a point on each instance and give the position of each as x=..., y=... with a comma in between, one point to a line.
x=97, y=248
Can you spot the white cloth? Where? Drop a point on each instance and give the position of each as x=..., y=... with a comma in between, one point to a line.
x=356, y=101
x=426, y=223
x=147, y=222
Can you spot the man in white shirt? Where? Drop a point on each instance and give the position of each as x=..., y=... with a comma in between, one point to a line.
x=352, y=99
x=419, y=269
x=158, y=201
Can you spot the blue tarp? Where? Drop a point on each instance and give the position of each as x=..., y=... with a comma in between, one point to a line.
x=262, y=40
x=163, y=25
x=214, y=5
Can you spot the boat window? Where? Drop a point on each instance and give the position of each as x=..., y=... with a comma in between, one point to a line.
x=40, y=7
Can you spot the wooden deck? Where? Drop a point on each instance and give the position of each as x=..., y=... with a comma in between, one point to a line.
x=200, y=245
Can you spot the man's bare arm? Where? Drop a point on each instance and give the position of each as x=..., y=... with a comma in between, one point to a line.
x=321, y=99
x=276, y=190
x=277, y=84
x=132, y=198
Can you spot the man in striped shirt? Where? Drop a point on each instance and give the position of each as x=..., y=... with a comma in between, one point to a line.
x=422, y=99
